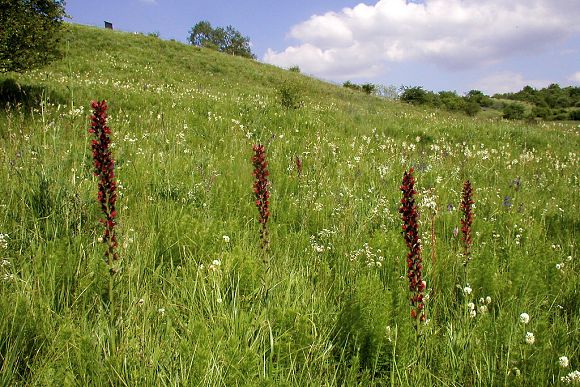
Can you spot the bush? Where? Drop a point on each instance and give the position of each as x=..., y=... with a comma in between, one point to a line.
x=289, y=96
x=514, y=111
x=575, y=115
x=472, y=108
x=415, y=95
x=294, y=69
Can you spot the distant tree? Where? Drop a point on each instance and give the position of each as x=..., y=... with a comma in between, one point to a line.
x=228, y=40
x=294, y=69
x=353, y=86
x=415, y=95
x=451, y=100
x=30, y=31
x=368, y=88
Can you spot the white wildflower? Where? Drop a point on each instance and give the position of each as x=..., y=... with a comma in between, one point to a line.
x=467, y=289
x=488, y=300
x=530, y=339
x=483, y=309
x=471, y=306
x=161, y=311
x=524, y=318
x=572, y=377
x=472, y=313
x=226, y=238
x=563, y=361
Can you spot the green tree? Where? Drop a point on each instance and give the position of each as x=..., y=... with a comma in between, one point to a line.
x=30, y=32
x=415, y=95
x=228, y=40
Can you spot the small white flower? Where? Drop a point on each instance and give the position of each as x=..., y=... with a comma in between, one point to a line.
x=140, y=302
x=563, y=361
x=467, y=290
x=472, y=313
x=530, y=339
x=482, y=309
x=572, y=377
x=216, y=262
x=219, y=300
x=481, y=300
x=4, y=262
x=524, y=318
x=471, y=306
x=226, y=238
x=161, y=311
x=559, y=266
x=488, y=300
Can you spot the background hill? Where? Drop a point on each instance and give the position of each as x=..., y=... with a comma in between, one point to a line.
x=190, y=306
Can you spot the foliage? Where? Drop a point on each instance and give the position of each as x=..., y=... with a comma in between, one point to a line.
x=228, y=40
x=294, y=69
x=367, y=88
x=30, y=33
x=514, y=111
x=416, y=95
x=289, y=95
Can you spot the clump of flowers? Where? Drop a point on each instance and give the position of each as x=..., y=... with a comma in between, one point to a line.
x=410, y=218
x=467, y=220
x=104, y=169
x=261, y=191
x=563, y=361
x=572, y=378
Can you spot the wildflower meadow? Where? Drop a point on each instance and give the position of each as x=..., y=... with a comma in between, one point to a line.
x=167, y=218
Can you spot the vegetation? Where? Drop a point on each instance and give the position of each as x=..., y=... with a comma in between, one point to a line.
x=196, y=300
x=228, y=40
x=552, y=103
x=30, y=33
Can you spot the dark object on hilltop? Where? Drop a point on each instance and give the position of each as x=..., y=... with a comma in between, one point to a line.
x=108, y=25
x=30, y=33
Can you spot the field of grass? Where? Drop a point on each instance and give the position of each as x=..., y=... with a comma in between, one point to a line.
x=194, y=303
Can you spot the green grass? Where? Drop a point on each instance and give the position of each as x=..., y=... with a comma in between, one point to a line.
x=337, y=312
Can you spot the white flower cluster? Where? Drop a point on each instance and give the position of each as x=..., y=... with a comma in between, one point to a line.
x=372, y=258
x=530, y=338
x=524, y=318
x=572, y=377
x=3, y=241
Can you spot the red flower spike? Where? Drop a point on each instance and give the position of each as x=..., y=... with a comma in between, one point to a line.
x=410, y=231
x=261, y=190
x=467, y=219
x=104, y=165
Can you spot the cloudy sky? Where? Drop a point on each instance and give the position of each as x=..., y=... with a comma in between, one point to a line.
x=490, y=45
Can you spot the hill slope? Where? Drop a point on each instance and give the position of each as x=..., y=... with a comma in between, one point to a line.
x=190, y=301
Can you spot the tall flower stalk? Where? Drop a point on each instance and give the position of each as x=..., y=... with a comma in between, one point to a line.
x=104, y=170
x=466, y=221
x=261, y=192
x=410, y=229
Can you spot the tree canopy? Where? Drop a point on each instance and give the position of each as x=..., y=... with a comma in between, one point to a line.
x=228, y=40
x=29, y=33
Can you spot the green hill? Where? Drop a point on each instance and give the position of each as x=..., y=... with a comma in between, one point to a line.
x=196, y=299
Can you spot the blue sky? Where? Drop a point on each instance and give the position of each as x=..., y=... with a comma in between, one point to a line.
x=490, y=45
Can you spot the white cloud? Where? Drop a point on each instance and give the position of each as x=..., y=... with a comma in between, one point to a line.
x=454, y=34
x=575, y=77
x=507, y=82
x=149, y=1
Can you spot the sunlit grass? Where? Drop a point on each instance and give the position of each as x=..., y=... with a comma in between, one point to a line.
x=188, y=294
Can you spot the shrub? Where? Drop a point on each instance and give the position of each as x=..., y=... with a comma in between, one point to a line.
x=294, y=69
x=514, y=111
x=289, y=97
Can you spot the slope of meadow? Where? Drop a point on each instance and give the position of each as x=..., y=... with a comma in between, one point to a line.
x=190, y=304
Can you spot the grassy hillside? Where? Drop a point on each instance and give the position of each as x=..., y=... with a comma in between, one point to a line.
x=194, y=302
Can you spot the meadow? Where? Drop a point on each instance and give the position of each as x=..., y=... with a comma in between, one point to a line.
x=197, y=301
